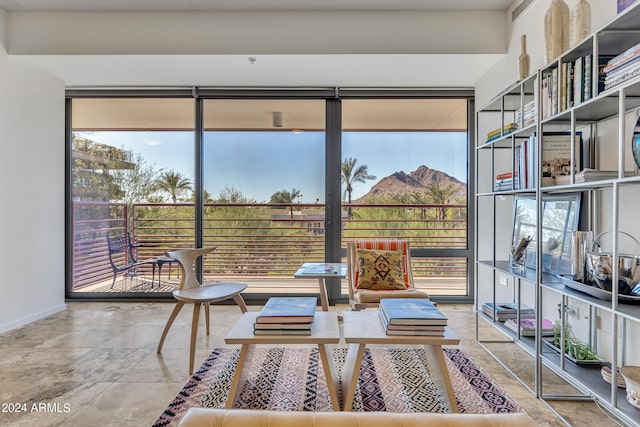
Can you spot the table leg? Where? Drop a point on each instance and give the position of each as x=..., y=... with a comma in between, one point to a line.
x=324, y=301
x=246, y=353
x=350, y=374
x=330, y=373
x=436, y=351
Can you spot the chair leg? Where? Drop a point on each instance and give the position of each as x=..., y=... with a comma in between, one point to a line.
x=114, y=280
x=194, y=330
x=240, y=301
x=172, y=317
x=207, y=314
x=153, y=275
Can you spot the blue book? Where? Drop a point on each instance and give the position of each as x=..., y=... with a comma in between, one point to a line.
x=411, y=311
x=288, y=309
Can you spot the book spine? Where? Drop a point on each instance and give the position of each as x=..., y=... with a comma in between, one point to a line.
x=577, y=82
x=588, y=77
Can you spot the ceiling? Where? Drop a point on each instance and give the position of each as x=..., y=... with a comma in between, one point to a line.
x=253, y=5
x=393, y=70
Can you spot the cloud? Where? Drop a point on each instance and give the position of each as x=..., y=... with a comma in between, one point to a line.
x=152, y=142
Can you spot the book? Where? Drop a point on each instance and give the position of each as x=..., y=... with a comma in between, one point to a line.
x=436, y=331
x=507, y=310
x=505, y=175
x=301, y=332
x=288, y=309
x=578, y=81
x=623, y=4
x=556, y=155
x=500, y=132
x=306, y=325
x=527, y=327
x=588, y=75
x=411, y=311
x=589, y=175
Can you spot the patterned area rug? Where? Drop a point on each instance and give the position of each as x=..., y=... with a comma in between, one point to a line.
x=292, y=379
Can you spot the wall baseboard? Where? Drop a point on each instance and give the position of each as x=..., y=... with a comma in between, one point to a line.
x=30, y=319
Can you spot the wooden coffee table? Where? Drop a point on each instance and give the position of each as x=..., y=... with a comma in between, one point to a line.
x=364, y=327
x=325, y=331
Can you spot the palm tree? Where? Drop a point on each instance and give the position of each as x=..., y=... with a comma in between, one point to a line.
x=284, y=196
x=173, y=183
x=353, y=175
x=421, y=198
x=441, y=195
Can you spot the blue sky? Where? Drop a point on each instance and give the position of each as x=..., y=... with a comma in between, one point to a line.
x=261, y=163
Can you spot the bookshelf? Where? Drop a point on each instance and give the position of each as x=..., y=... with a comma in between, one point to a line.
x=571, y=96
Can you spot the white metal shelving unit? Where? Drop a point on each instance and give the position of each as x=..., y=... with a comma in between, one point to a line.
x=607, y=121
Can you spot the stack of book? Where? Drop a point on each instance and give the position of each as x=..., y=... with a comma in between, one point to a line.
x=622, y=67
x=529, y=115
x=500, y=132
x=411, y=316
x=589, y=175
x=505, y=182
x=286, y=316
x=527, y=327
x=507, y=310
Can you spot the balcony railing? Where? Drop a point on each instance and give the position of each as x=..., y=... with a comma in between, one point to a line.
x=256, y=240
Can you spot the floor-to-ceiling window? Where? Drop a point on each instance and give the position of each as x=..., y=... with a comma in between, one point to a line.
x=270, y=180
x=132, y=171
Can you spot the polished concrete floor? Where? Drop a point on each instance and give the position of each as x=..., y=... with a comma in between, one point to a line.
x=96, y=364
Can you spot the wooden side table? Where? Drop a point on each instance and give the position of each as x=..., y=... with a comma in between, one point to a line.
x=321, y=271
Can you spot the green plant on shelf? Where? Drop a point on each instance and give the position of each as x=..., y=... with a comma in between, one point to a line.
x=572, y=346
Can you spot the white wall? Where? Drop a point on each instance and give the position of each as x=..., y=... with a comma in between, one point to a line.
x=31, y=192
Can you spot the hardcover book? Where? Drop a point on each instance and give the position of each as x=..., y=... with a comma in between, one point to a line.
x=302, y=332
x=527, y=327
x=284, y=325
x=507, y=310
x=411, y=311
x=288, y=309
x=556, y=155
x=436, y=331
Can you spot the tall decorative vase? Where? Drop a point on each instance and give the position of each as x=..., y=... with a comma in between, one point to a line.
x=556, y=30
x=580, y=22
x=524, y=62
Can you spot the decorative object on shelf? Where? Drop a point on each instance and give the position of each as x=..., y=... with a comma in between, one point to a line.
x=524, y=63
x=631, y=376
x=590, y=288
x=574, y=350
x=580, y=241
x=556, y=30
x=580, y=22
x=600, y=266
x=559, y=219
x=519, y=254
x=635, y=143
x=606, y=375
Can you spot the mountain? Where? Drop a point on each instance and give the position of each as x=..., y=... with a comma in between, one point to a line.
x=415, y=182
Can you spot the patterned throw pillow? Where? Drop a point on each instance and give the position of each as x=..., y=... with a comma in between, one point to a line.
x=380, y=270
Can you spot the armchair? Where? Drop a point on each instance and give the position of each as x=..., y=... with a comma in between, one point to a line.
x=369, y=296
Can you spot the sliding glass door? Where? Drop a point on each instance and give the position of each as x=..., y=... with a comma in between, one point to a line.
x=405, y=176
x=263, y=180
